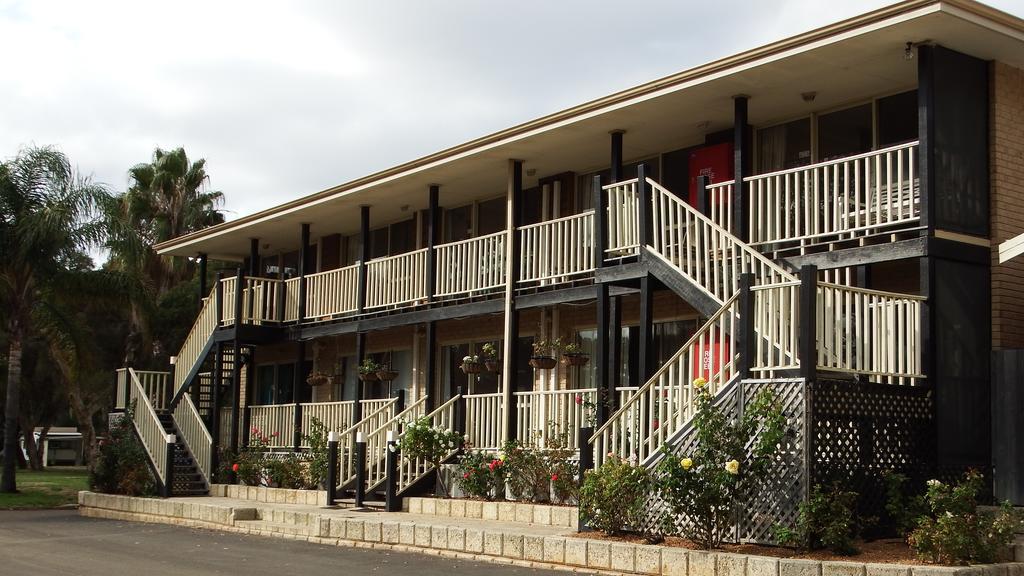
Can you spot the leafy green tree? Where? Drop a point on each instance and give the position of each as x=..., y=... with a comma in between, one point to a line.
x=47, y=220
x=168, y=198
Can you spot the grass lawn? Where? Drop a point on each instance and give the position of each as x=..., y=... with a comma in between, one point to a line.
x=48, y=489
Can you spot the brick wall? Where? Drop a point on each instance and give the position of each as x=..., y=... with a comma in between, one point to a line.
x=1006, y=147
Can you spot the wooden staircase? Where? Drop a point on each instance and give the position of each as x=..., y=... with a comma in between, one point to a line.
x=186, y=478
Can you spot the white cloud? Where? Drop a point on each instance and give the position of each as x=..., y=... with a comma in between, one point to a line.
x=284, y=99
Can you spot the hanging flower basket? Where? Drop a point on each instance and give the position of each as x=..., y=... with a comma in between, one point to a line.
x=575, y=358
x=368, y=377
x=472, y=367
x=543, y=362
x=387, y=375
x=492, y=365
x=318, y=379
x=368, y=370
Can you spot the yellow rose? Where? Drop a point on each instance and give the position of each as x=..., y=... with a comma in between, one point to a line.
x=686, y=463
x=700, y=382
x=732, y=467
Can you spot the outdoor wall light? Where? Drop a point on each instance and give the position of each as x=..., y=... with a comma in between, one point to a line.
x=908, y=52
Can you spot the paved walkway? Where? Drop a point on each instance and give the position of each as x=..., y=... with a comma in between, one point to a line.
x=62, y=543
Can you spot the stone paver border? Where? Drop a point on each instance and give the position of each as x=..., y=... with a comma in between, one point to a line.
x=496, y=545
x=524, y=513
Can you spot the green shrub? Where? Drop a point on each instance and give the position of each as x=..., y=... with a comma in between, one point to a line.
x=527, y=473
x=121, y=465
x=706, y=486
x=317, y=454
x=288, y=471
x=955, y=532
x=826, y=520
x=432, y=444
x=902, y=508
x=612, y=497
x=562, y=468
x=481, y=475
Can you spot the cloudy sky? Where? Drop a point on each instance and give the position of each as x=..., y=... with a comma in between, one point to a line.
x=287, y=98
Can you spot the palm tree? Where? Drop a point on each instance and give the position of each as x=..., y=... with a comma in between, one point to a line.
x=47, y=221
x=168, y=198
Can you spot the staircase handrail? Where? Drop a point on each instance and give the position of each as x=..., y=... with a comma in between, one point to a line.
x=730, y=307
x=195, y=435
x=751, y=253
x=377, y=442
x=148, y=427
x=195, y=343
x=409, y=471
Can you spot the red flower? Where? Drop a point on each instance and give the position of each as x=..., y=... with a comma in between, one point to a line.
x=579, y=399
x=234, y=468
x=655, y=424
x=554, y=477
x=466, y=475
x=275, y=434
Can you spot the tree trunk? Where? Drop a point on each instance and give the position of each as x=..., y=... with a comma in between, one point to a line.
x=84, y=415
x=11, y=410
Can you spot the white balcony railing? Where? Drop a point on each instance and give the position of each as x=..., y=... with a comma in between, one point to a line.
x=557, y=250
x=623, y=219
x=332, y=293
x=275, y=423
x=553, y=417
x=291, y=299
x=837, y=199
x=483, y=421
x=720, y=204
x=396, y=279
x=470, y=267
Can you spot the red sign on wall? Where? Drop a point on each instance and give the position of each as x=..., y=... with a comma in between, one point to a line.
x=708, y=360
x=713, y=161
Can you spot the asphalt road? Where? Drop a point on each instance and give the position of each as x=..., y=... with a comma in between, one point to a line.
x=61, y=543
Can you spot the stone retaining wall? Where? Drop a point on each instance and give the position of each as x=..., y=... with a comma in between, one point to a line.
x=524, y=513
x=270, y=495
x=493, y=543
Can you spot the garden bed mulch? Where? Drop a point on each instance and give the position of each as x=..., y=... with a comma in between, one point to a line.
x=883, y=551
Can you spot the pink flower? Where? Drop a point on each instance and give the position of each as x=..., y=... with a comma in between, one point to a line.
x=554, y=477
x=579, y=399
x=234, y=468
x=655, y=424
x=466, y=475
x=275, y=434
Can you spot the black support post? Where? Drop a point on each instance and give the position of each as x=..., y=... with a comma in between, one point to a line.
x=357, y=407
x=645, y=363
x=614, y=351
x=600, y=222
x=616, y=160
x=926, y=133
x=332, y=467
x=215, y=384
x=741, y=162
x=747, y=344
x=303, y=249
x=254, y=257
x=432, y=213
x=392, y=503
x=702, y=195
x=300, y=380
x=601, y=354
x=169, y=467
x=202, y=276
x=643, y=192
x=430, y=371
x=808, y=349
x=360, y=456
x=364, y=255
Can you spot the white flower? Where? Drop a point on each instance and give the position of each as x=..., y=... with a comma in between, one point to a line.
x=933, y=482
x=732, y=467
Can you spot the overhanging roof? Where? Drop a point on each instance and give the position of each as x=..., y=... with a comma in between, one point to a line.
x=844, y=62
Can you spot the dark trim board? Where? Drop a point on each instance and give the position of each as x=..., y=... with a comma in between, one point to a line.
x=674, y=281
x=899, y=250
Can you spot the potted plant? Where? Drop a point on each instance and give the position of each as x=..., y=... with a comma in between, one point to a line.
x=542, y=358
x=573, y=354
x=368, y=370
x=490, y=356
x=471, y=364
x=318, y=378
